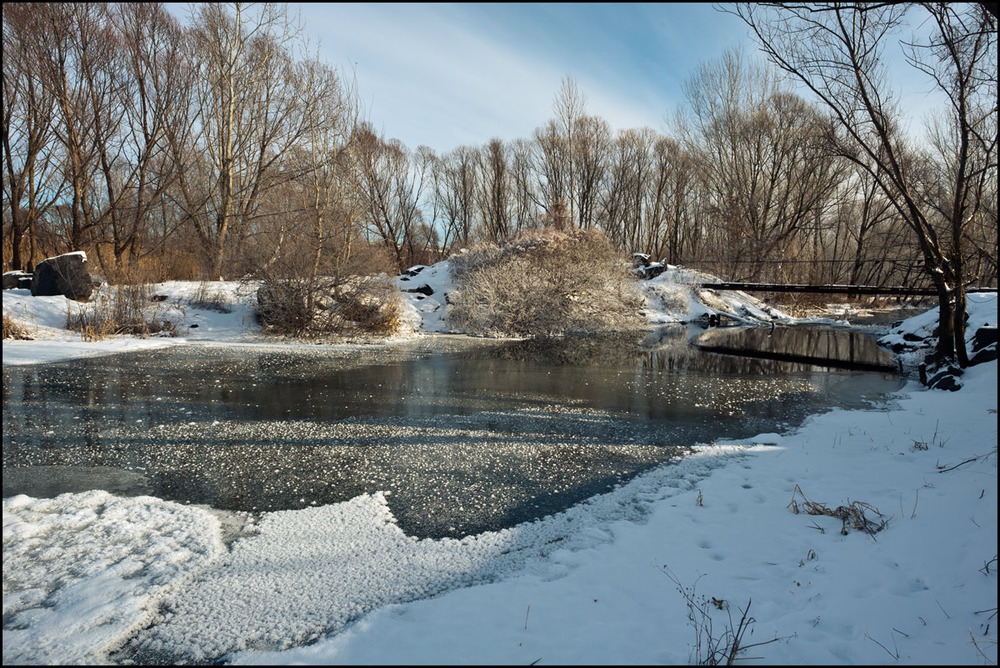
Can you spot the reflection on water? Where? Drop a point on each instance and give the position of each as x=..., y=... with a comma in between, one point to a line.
x=465, y=436
x=840, y=348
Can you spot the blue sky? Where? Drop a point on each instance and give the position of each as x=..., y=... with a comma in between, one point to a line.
x=452, y=74
x=445, y=75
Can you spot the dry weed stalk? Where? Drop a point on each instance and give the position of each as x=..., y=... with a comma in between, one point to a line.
x=853, y=515
x=709, y=649
x=12, y=329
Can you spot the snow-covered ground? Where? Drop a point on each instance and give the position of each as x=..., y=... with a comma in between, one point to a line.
x=660, y=570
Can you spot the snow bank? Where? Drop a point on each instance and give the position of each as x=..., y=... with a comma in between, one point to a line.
x=676, y=295
x=83, y=572
x=916, y=336
x=427, y=312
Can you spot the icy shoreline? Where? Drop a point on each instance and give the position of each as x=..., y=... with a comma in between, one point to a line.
x=88, y=574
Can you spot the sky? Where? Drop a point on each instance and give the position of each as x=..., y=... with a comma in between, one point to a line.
x=652, y=572
x=452, y=74
x=446, y=75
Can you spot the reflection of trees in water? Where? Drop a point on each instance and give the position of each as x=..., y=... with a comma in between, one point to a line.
x=574, y=349
x=811, y=342
x=669, y=349
x=694, y=360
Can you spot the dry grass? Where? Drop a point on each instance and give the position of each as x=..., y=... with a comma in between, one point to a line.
x=710, y=647
x=854, y=515
x=119, y=310
x=14, y=330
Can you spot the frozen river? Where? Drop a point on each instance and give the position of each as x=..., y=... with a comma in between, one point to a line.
x=463, y=435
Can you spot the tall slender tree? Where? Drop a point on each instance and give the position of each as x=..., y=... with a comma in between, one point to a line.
x=837, y=50
x=249, y=117
x=31, y=177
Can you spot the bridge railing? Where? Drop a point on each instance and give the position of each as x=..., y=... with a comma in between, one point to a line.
x=834, y=289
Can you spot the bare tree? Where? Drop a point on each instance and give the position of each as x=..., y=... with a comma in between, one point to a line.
x=871, y=242
x=70, y=50
x=391, y=192
x=524, y=184
x=495, y=204
x=836, y=50
x=146, y=97
x=570, y=106
x=674, y=201
x=590, y=150
x=456, y=184
x=552, y=164
x=559, y=150
x=629, y=172
x=247, y=114
x=31, y=179
x=425, y=243
x=331, y=202
x=762, y=159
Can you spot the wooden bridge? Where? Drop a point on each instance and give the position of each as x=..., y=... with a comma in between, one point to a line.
x=850, y=290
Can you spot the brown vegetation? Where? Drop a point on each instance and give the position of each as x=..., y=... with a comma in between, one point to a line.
x=543, y=282
x=215, y=149
x=361, y=306
x=12, y=329
x=120, y=309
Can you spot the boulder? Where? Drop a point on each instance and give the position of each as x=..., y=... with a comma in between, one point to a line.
x=653, y=270
x=640, y=260
x=946, y=378
x=13, y=279
x=63, y=275
x=984, y=345
x=984, y=336
x=985, y=355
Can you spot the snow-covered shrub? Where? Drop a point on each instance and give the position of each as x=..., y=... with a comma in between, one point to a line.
x=543, y=283
x=371, y=305
x=668, y=297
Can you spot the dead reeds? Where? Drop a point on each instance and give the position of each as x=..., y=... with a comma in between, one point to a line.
x=856, y=515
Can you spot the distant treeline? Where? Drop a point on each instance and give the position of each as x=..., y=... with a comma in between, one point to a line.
x=222, y=148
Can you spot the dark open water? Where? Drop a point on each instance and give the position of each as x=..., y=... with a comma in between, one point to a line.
x=465, y=435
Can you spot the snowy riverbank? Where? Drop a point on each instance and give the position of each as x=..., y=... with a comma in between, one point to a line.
x=630, y=577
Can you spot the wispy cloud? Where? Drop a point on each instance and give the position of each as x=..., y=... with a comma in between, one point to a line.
x=428, y=76
x=452, y=74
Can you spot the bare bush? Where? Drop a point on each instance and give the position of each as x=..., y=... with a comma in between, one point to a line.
x=121, y=309
x=369, y=305
x=282, y=306
x=208, y=298
x=543, y=283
